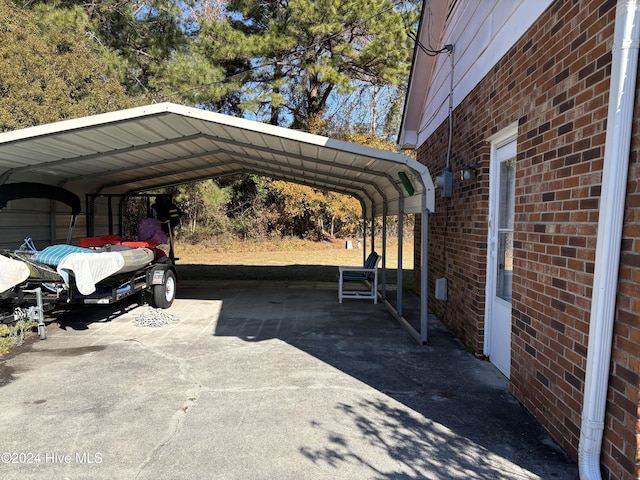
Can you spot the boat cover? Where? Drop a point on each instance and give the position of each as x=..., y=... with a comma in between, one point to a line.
x=14, y=272
x=89, y=269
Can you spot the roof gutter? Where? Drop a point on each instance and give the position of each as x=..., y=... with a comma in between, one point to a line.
x=612, y=203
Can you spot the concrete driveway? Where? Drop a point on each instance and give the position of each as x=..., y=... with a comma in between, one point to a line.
x=260, y=382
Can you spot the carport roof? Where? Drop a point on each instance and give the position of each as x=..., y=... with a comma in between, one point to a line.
x=167, y=144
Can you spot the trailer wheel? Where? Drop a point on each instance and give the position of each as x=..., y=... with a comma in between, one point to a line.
x=42, y=332
x=163, y=295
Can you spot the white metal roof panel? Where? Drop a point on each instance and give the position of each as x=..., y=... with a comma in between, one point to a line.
x=164, y=144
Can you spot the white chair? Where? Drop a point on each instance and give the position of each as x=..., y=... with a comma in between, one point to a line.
x=368, y=274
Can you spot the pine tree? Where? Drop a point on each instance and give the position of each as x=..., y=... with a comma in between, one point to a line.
x=50, y=69
x=300, y=55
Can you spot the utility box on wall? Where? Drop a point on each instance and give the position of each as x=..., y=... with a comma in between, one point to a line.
x=445, y=183
x=441, y=289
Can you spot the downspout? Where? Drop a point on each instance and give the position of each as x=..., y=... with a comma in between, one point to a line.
x=612, y=202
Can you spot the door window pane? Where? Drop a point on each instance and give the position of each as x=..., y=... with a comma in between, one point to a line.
x=505, y=265
x=507, y=194
x=506, y=212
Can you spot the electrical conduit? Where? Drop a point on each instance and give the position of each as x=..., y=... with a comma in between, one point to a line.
x=614, y=182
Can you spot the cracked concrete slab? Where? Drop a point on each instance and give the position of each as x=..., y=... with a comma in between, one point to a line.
x=261, y=383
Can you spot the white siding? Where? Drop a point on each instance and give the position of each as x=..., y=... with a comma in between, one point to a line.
x=481, y=32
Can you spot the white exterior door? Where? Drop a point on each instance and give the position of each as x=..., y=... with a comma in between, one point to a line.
x=500, y=252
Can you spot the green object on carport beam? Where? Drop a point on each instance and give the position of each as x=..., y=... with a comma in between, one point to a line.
x=406, y=182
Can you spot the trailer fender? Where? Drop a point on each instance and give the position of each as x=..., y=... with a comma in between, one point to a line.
x=156, y=274
x=162, y=281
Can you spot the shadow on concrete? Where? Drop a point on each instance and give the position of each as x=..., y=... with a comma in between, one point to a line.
x=462, y=421
x=442, y=413
x=80, y=317
x=298, y=273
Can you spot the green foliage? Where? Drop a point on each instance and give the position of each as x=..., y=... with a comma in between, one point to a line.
x=50, y=69
x=317, y=65
x=309, y=213
x=11, y=334
x=204, y=209
x=254, y=207
x=144, y=35
x=304, y=53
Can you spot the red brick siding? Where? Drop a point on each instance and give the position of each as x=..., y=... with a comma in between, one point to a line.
x=622, y=452
x=461, y=256
x=554, y=82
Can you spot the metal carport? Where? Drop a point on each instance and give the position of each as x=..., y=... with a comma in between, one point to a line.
x=166, y=144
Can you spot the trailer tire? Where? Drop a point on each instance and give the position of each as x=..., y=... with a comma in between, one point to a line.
x=163, y=295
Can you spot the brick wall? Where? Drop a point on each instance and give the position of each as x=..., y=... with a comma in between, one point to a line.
x=554, y=83
x=622, y=452
x=458, y=256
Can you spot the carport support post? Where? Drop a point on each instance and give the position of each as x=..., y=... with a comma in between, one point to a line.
x=121, y=215
x=400, y=241
x=52, y=222
x=364, y=235
x=424, y=243
x=373, y=228
x=110, y=213
x=384, y=251
x=89, y=215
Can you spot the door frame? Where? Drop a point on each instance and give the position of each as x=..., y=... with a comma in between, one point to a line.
x=500, y=139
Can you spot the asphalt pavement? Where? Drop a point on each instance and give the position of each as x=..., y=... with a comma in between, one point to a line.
x=260, y=381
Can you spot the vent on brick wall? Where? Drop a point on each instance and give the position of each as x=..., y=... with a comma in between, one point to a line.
x=441, y=289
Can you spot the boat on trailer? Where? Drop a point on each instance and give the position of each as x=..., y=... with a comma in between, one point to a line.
x=98, y=271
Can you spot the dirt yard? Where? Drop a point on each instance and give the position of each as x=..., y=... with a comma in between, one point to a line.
x=289, y=259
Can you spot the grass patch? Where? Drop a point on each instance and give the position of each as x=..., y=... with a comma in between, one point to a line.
x=288, y=259
x=286, y=244
x=287, y=251
x=15, y=335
